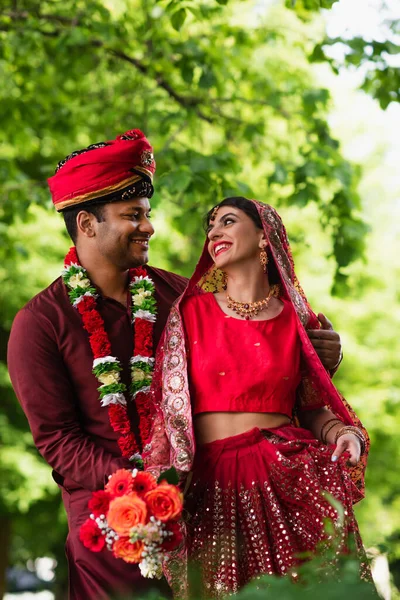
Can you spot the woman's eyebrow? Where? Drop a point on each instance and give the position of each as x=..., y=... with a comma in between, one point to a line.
x=228, y=215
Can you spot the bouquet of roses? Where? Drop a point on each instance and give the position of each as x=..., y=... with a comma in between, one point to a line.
x=136, y=518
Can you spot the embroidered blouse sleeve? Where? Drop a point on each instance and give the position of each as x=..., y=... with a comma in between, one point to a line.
x=43, y=388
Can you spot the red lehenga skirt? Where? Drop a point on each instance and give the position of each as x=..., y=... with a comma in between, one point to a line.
x=254, y=504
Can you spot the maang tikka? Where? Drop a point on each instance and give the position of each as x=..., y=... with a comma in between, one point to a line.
x=264, y=259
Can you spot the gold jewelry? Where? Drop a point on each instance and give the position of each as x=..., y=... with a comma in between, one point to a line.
x=334, y=422
x=264, y=259
x=249, y=310
x=355, y=431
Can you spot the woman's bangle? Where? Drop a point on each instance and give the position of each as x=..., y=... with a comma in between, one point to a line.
x=355, y=431
x=323, y=434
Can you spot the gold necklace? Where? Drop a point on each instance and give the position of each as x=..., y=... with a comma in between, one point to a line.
x=249, y=310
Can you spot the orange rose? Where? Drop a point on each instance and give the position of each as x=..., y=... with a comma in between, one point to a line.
x=125, y=512
x=165, y=502
x=130, y=553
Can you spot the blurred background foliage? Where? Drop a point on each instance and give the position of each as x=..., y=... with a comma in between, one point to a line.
x=250, y=97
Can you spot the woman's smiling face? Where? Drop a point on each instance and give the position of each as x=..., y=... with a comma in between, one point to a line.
x=233, y=237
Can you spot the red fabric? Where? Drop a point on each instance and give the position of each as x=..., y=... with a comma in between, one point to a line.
x=219, y=359
x=100, y=168
x=255, y=502
x=54, y=383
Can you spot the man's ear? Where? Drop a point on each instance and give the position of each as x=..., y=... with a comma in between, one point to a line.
x=85, y=223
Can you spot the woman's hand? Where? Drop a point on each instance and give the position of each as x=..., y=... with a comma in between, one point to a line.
x=348, y=443
x=326, y=343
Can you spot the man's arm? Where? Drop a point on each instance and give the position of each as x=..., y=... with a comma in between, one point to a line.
x=327, y=344
x=42, y=386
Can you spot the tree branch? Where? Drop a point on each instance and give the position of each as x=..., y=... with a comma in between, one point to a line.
x=185, y=101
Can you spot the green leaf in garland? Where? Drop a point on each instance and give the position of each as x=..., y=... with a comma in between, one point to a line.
x=113, y=388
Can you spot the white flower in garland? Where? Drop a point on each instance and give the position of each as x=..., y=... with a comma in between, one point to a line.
x=146, y=315
x=109, y=378
x=78, y=280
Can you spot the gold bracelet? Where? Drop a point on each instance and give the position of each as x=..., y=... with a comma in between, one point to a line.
x=321, y=434
x=355, y=431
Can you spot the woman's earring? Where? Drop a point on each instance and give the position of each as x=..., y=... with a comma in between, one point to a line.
x=264, y=259
x=224, y=280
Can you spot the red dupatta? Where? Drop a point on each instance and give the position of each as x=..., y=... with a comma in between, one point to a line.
x=171, y=442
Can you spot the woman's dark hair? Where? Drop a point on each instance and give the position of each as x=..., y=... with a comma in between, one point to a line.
x=70, y=215
x=248, y=207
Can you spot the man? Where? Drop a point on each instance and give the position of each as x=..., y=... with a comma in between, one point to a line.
x=103, y=192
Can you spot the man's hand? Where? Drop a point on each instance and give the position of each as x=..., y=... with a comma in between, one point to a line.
x=326, y=343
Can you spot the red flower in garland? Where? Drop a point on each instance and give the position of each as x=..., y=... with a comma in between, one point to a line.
x=91, y=536
x=119, y=419
x=143, y=337
x=137, y=272
x=85, y=304
x=127, y=444
x=100, y=344
x=92, y=321
x=72, y=257
x=99, y=503
x=120, y=483
x=145, y=422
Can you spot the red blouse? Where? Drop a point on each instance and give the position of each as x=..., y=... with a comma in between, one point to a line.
x=237, y=365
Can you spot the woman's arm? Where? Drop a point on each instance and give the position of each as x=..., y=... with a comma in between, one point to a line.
x=327, y=428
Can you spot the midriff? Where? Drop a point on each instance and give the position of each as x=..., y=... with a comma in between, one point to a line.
x=211, y=426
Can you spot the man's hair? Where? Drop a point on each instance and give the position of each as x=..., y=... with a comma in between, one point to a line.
x=70, y=214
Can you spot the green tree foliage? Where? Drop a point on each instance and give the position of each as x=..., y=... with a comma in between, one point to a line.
x=228, y=99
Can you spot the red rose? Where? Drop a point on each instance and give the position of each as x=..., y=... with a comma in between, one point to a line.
x=72, y=257
x=87, y=303
x=91, y=536
x=144, y=337
x=92, y=321
x=172, y=541
x=99, y=503
x=100, y=344
x=120, y=483
x=119, y=419
x=143, y=483
x=128, y=445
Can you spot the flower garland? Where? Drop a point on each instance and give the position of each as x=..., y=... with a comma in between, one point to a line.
x=107, y=368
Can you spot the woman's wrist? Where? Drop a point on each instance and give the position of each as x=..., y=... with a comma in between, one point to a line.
x=328, y=430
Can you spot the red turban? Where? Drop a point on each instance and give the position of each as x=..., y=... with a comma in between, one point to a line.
x=109, y=171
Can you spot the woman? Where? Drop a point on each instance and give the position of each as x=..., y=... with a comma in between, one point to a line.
x=239, y=379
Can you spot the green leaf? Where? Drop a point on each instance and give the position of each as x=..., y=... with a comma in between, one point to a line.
x=178, y=19
x=170, y=476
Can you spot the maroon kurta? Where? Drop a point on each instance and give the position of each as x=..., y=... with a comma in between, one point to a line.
x=50, y=365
